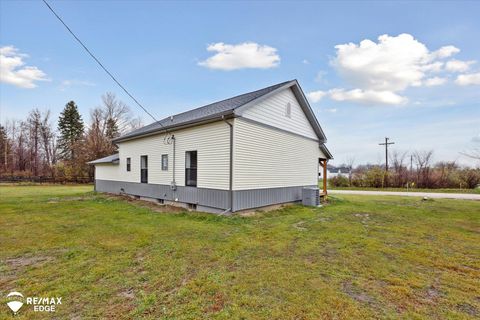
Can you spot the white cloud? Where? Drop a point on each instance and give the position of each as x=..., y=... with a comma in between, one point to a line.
x=14, y=71
x=384, y=97
x=305, y=61
x=435, y=81
x=476, y=138
x=458, y=65
x=445, y=52
x=379, y=72
x=316, y=96
x=331, y=110
x=74, y=82
x=241, y=56
x=468, y=79
x=393, y=64
x=360, y=96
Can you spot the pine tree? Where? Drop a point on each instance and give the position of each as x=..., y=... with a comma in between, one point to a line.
x=70, y=125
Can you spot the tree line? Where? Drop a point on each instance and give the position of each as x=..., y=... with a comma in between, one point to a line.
x=40, y=148
x=416, y=170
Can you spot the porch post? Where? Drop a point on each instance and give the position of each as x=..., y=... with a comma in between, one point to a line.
x=324, y=165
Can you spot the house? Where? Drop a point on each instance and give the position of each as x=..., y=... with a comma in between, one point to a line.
x=223, y=157
x=333, y=171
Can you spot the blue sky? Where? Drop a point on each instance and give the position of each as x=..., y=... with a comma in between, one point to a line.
x=419, y=85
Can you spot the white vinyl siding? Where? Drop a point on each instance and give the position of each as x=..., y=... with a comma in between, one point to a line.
x=269, y=158
x=212, y=142
x=108, y=171
x=272, y=111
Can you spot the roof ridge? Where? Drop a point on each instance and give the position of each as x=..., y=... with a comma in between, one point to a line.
x=217, y=107
x=231, y=98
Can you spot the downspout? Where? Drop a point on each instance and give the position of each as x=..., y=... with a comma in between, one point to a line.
x=173, y=165
x=230, y=182
x=173, y=185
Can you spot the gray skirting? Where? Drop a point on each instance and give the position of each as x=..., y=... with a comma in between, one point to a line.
x=212, y=198
x=256, y=198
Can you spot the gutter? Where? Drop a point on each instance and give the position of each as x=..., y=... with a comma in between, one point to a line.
x=175, y=127
x=230, y=182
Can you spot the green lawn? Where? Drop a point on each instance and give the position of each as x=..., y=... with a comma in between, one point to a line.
x=358, y=257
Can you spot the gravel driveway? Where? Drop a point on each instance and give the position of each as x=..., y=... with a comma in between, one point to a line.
x=464, y=196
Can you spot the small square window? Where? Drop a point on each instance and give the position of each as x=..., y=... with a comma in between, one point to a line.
x=129, y=164
x=164, y=162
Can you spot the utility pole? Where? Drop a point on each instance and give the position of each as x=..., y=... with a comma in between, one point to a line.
x=386, y=144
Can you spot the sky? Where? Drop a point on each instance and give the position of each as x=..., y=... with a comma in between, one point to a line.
x=409, y=71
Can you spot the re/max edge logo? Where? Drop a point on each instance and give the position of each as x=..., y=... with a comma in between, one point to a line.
x=15, y=301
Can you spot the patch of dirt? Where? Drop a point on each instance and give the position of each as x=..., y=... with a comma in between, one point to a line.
x=357, y=293
x=128, y=293
x=329, y=252
x=217, y=305
x=299, y=226
x=254, y=212
x=64, y=199
x=157, y=207
x=27, y=261
x=432, y=293
x=468, y=309
x=365, y=217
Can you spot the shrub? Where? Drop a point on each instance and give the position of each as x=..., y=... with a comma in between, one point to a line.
x=339, y=181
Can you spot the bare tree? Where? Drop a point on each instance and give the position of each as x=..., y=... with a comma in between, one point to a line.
x=423, y=160
x=116, y=115
x=399, y=169
x=33, y=123
x=349, y=165
x=48, y=137
x=475, y=152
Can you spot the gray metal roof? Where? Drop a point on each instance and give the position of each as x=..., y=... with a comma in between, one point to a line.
x=114, y=158
x=231, y=107
x=206, y=112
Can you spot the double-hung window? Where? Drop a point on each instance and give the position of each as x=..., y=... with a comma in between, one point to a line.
x=129, y=164
x=191, y=168
x=144, y=169
x=164, y=162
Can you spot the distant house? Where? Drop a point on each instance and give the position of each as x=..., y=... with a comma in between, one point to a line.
x=333, y=171
x=223, y=157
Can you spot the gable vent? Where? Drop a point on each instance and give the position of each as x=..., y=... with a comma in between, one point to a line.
x=288, y=110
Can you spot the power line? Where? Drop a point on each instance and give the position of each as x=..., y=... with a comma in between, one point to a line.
x=99, y=63
x=386, y=144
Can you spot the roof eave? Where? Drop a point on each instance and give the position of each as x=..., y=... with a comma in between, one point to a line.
x=183, y=125
x=325, y=150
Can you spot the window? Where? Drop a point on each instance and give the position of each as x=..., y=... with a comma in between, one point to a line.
x=164, y=162
x=191, y=168
x=288, y=110
x=143, y=169
x=129, y=166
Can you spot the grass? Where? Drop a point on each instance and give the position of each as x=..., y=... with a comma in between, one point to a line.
x=473, y=191
x=358, y=257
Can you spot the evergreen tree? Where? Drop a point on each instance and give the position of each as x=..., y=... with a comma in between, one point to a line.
x=70, y=126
